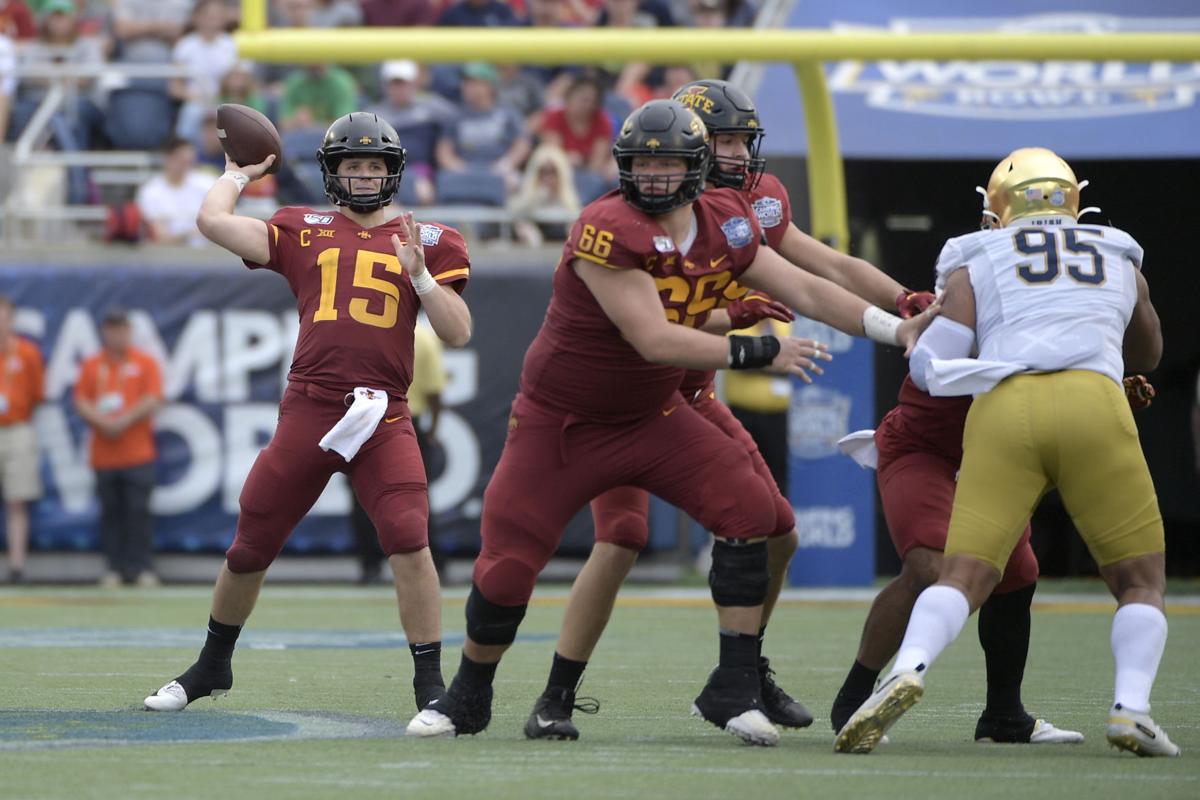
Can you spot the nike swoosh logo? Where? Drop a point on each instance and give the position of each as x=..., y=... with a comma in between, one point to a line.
x=393, y=419
x=544, y=723
x=669, y=411
x=424, y=652
x=713, y=262
x=1145, y=730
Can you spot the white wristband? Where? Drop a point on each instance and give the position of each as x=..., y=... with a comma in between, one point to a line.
x=423, y=283
x=239, y=179
x=880, y=326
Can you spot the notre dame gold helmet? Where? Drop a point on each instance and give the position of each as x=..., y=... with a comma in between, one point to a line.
x=1030, y=182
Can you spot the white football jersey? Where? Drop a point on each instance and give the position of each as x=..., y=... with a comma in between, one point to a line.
x=1049, y=297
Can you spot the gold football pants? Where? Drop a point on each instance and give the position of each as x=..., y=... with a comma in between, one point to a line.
x=1069, y=430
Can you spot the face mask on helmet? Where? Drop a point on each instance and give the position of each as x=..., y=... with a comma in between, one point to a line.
x=361, y=135
x=726, y=109
x=1030, y=183
x=662, y=129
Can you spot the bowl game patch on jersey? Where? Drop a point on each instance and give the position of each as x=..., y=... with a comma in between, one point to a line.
x=738, y=231
x=430, y=235
x=769, y=211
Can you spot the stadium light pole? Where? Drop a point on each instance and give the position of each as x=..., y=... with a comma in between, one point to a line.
x=806, y=50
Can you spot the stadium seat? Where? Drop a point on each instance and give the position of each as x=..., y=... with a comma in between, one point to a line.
x=301, y=144
x=139, y=119
x=476, y=186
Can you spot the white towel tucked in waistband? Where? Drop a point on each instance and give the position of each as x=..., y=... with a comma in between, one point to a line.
x=358, y=423
x=860, y=445
x=962, y=376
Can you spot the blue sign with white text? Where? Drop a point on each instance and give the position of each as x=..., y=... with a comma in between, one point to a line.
x=984, y=109
x=834, y=499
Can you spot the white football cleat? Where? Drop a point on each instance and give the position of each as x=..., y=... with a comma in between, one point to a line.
x=1046, y=733
x=429, y=724
x=172, y=697
x=866, y=727
x=752, y=727
x=1136, y=732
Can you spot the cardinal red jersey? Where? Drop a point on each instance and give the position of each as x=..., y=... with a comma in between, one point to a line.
x=357, y=306
x=773, y=210
x=579, y=363
x=923, y=423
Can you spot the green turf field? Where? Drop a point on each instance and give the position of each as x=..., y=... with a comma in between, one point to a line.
x=70, y=725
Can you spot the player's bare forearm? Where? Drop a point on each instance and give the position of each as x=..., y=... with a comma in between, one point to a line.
x=1143, y=343
x=448, y=315
x=810, y=295
x=243, y=236
x=853, y=274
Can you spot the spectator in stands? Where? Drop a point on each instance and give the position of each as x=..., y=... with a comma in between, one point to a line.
x=418, y=117
x=208, y=52
x=484, y=135
x=118, y=392
x=146, y=30
x=293, y=13
x=169, y=202
x=240, y=85
x=582, y=129
x=719, y=14
x=524, y=89
x=554, y=79
x=399, y=13
x=16, y=20
x=478, y=14
x=337, y=14
x=79, y=123
x=8, y=82
x=548, y=183
x=22, y=388
x=316, y=95
x=633, y=76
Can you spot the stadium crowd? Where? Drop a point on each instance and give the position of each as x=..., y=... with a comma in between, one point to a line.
x=524, y=138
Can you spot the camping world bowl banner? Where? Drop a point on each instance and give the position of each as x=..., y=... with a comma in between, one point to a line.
x=984, y=109
x=224, y=337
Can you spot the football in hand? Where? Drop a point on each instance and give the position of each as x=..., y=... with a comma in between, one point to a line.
x=247, y=136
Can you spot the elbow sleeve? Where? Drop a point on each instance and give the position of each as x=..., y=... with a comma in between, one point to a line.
x=944, y=338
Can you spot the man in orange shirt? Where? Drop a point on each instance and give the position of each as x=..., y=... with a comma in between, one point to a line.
x=118, y=392
x=21, y=389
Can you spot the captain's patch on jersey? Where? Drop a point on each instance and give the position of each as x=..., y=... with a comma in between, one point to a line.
x=737, y=231
x=769, y=211
x=663, y=244
x=317, y=219
x=430, y=235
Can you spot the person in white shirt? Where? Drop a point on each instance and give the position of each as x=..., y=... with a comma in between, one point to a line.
x=169, y=202
x=1056, y=311
x=208, y=53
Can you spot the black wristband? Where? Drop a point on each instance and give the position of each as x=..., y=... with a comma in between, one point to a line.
x=752, y=352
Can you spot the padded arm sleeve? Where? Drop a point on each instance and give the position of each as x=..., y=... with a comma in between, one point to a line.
x=943, y=339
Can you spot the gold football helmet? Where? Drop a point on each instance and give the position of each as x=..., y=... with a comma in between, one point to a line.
x=1030, y=182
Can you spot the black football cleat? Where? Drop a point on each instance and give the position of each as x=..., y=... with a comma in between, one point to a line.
x=780, y=707
x=458, y=712
x=551, y=717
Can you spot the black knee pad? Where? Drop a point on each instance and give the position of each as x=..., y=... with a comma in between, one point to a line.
x=491, y=624
x=739, y=573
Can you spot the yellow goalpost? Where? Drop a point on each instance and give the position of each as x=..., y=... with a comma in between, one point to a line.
x=805, y=50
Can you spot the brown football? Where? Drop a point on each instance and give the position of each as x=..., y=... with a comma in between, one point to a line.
x=247, y=136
